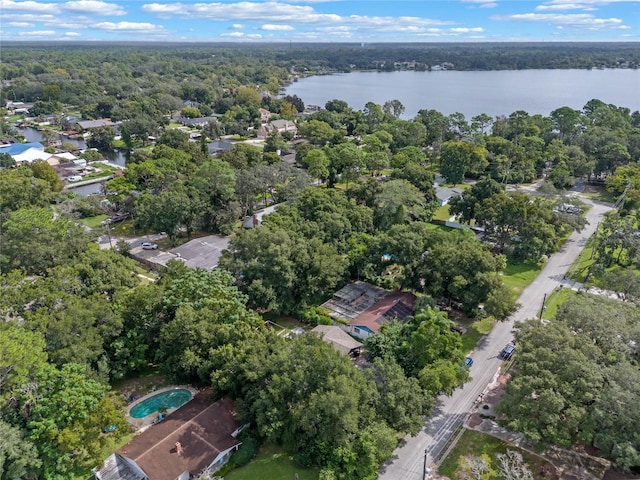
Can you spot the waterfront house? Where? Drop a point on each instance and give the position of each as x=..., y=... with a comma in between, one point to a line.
x=25, y=152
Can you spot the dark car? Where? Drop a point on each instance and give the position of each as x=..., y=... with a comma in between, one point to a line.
x=507, y=351
x=468, y=361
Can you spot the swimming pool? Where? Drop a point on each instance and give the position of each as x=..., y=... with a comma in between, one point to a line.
x=169, y=399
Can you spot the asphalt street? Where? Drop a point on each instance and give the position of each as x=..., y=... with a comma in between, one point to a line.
x=409, y=458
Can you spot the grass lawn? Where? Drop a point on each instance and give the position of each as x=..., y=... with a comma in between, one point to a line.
x=557, y=298
x=93, y=222
x=433, y=226
x=477, y=443
x=285, y=321
x=142, y=384
x=475, y=332
x=580, y=269
x=601, y=194
x=271, y=464
x=442, y=213
x=518, y=275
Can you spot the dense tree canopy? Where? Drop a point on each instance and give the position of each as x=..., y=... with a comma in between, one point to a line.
x=578, y=379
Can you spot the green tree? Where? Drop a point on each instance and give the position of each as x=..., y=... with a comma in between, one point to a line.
x=22, y=356
x=102, y=138
x=320, y=133
x=400, y=402
x=281, y=270
x=399, y=202
x=6, y=161
x=190, y=112
x=34, y=240
x=459, y=158
x=576, y=381
x=317, y=164
x=165, y=212
x=467, y=206
x=66, y=421
x=18, y=456
x=44, y=171
x=19, y=188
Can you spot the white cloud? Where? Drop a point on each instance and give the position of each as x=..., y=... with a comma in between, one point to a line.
x=132, y=27
x=583, y=20
x=562, y=7
x=588, y=5
x=276, y=12
x=70, y=25
x=233, y=34
x=280, y=28
x=28, y=6
x=254, y=35
x=38, y=33
x=237, y=26
x=21, y=24
x=27, y=17
x=94, y=7
x=466, y=30
x=71, y=34
x=482, y=3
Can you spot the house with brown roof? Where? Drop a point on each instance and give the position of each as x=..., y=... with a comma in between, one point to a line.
x=279, y=126
x=198, y=437
x=341, y=340
x=361, y=309
x=265, y=115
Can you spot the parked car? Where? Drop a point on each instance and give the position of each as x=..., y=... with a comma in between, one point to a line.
x=507, y=351
x=74, y=178
x=468, y=361
x=149, y=246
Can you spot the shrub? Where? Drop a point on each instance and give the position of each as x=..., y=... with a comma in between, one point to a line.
x=246, y=452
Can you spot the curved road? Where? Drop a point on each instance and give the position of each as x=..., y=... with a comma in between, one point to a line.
x=409, y=459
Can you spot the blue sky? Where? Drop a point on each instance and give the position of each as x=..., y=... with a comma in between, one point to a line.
x=320, y=20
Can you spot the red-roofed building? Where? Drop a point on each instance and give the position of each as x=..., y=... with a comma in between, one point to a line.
x=366, y=307
x=198, y=437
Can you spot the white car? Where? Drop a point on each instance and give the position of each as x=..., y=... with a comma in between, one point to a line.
x=149, y=246
x=74, y=178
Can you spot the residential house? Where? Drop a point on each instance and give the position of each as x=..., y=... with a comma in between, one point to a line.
x=194, y=122
x=341, y=340
x=93, y=124
x=265, y=115
x=198, y=437
x=361, y=309
x=445, y=194
x=218, y=146
x=16, y=108
x=25, y=152
x=280, y=126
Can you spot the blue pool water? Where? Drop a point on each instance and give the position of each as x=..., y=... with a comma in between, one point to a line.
x=169, y=399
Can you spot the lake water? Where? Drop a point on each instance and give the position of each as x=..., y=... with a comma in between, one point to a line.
x=118, y=157
x=472, y=93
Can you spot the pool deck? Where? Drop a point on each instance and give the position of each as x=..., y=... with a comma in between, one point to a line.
x=141, y=424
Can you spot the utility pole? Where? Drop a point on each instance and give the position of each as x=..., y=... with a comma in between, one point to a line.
x=544, y=299
x=424, y=466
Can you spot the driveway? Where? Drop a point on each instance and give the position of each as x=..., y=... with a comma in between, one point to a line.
x=408, y=460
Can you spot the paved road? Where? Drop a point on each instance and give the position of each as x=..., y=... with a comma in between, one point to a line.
x=408, y=460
